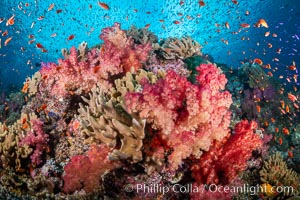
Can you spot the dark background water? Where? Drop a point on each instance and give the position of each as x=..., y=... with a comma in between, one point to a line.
x=85, y=19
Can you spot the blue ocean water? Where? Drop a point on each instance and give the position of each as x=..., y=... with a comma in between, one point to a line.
x=85, y=18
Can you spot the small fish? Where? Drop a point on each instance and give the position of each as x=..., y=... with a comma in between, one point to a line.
x=32, y=24
x=274, y=35
x=270, y=73
x=176, y=22
x=267, y=33
x=292, y=97
x=51, y=6
x=25, y=87
x=53, y=35
x=26, y=4
x=11, y=20
x=7, y=41
x=285, y=131
x=5, y=33
x=235, y=2
x=258, y=61
x=258, y=108
x=267, y=66
x=103, y=5
x=290, y=154
x=261, y=22
x=278, y=51
x=96, y=69
x=287, y=108
x=147, y=26
x=227, y=25
x=31, y=41
x=41, y=18
x=44, y=50
x=247, y=13
x=161, y=20
x=38, y=45
x=280, y=141
x=201, y=3
x=270, y=45
x=30, y=36
x=58, y=11
x=245, y=25
x=71, y=37
x=292, y=67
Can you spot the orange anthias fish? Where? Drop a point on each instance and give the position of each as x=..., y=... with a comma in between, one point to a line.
x=258, y=108
x=11, y=20
x=285, y=131
x=38, y=45
x=235, y=1
x=280, y=141
x=7, y=41
x=103, y=5
x=245, y=25
x=5, y=33
x=227, y=25
x=147, y=26
x=292, y=97
x=51, y=6
x=258, y=61
x=201, y=3
x=262, y=23
x=71, y=37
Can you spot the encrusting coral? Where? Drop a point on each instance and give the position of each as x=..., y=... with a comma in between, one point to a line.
x=276, y=173
x=104, y=121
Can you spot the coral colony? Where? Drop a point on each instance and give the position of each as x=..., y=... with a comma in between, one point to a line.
x=134, y=118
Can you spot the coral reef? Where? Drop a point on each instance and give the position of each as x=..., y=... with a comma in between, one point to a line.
x=136, y=111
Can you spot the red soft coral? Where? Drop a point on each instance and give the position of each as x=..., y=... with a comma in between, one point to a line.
x=180, y=109
x=85, y=171
x=227, y=158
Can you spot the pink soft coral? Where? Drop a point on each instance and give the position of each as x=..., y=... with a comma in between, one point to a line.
x=187, y=116
x=37, y=139
x=223, y=162
x=69, y=76
x=119, y=53
x=85, y=171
